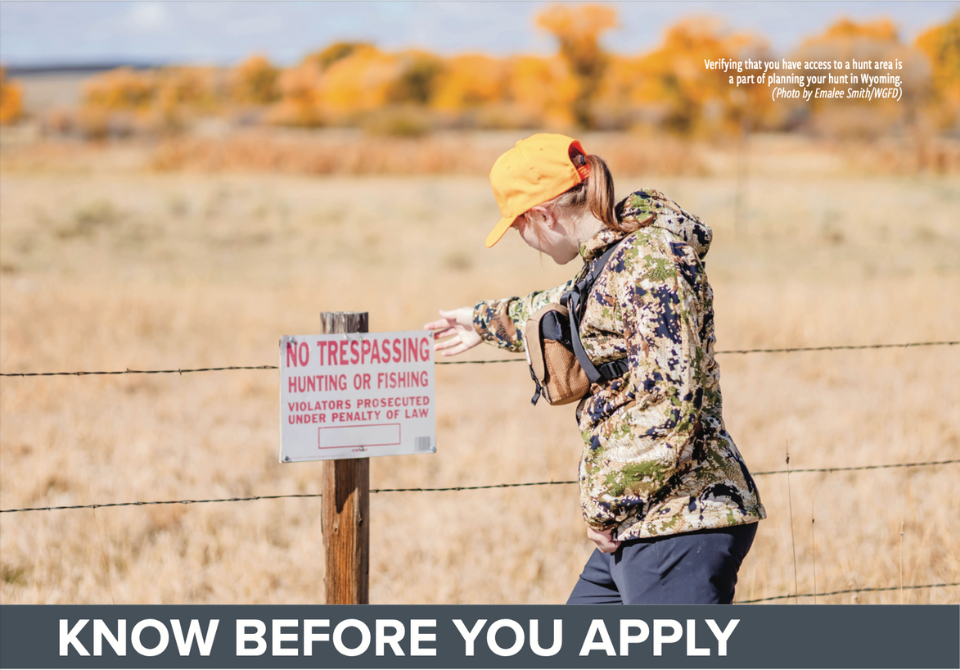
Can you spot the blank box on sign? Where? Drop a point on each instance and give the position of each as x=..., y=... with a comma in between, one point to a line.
x=370, y=435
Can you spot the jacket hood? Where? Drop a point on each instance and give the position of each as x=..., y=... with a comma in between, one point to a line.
x=646, y=203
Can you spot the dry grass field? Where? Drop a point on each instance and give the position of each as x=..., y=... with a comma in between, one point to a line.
x=108, y=264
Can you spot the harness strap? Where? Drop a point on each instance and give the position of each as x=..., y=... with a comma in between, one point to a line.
x=575, y=301
x=613, y=369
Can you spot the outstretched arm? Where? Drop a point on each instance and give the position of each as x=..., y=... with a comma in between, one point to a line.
x=502, y=322
x=457, y=326
x=496, y=322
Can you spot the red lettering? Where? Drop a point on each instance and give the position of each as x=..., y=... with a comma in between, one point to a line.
x=304, y=353
x=291, y=355
x=424, y=349
x=354, y=352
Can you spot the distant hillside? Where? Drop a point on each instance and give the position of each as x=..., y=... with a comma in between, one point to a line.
x=52, y=85
x=29, y=69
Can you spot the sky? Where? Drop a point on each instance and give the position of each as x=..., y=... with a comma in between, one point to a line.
x=223, y=33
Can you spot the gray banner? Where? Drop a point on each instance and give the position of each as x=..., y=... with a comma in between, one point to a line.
x=479, y=636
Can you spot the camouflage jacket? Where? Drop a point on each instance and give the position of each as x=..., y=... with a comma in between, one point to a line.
x=657, y=458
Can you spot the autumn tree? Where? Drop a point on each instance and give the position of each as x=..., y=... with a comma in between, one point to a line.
x=125, y=100
x=335, y=52
x=470, y=81
x=864, y=47
x=941, y=44
x=298, y=86
x=671, y=84
x=11, y=99
x=255, y=81
x=578, y=29
x=416, y=81
x=123, y=89
x=188, y=89
x=542, y=90
x=301, y=86
x=357, y=83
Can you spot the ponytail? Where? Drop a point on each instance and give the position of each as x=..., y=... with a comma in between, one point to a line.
x=596, y=194
x=600, y=195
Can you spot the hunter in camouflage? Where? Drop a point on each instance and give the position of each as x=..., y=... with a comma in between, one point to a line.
x=657, y=458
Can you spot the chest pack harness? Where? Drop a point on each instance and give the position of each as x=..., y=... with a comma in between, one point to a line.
x=559, y=366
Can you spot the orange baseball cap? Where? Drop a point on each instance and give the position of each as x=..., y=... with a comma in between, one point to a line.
x=535, y=170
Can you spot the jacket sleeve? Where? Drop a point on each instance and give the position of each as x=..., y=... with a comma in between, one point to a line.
x=631, y=457
x=501, y=322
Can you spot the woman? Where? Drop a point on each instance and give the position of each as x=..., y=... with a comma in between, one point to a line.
x=666, y=496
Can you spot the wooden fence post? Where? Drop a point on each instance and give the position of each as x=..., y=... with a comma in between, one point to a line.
x=345, y=506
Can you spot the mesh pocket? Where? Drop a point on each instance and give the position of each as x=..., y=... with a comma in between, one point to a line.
x=564, y=381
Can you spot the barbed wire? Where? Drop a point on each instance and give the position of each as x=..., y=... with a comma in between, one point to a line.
x=181, y=371
x=836, y=593
x=857, y=467
x=755, y=474
x=840, y=347
x=50, y=508
x=762, y=351
x=128, y=371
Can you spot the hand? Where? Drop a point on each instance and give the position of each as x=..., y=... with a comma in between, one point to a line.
x=456, y=324
x=602, y=539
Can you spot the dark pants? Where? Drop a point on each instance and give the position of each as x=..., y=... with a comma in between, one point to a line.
x=695, y=568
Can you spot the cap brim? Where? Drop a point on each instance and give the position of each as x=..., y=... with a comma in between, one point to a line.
x=499, y=230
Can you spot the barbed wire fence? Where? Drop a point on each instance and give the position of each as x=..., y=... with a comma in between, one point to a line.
x=181, y=371
x=433, y=490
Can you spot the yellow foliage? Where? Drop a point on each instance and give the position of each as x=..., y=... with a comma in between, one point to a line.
x=358, y=82
x=874, y=42
x=470, y=81
x=942, y=45
x=187, y=88
x=578, y=28
x=349, y=79
x=578, y=24
x=11, y=99
x=417, y=78
x=669, y=87
x=254, y=81
x=121, y=89
x=331, y=54
x=673, y=84
x=542, y=88
x=158, y=98
x=882, y=30
x=846, y=39
x=299, y=104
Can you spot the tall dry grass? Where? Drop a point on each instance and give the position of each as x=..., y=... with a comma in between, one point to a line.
x=116, y=267
x=344, y=152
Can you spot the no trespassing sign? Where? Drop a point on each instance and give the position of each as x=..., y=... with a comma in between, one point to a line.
x=356, y=395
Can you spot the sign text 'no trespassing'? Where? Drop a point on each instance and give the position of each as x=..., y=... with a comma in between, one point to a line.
x=356, y=395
